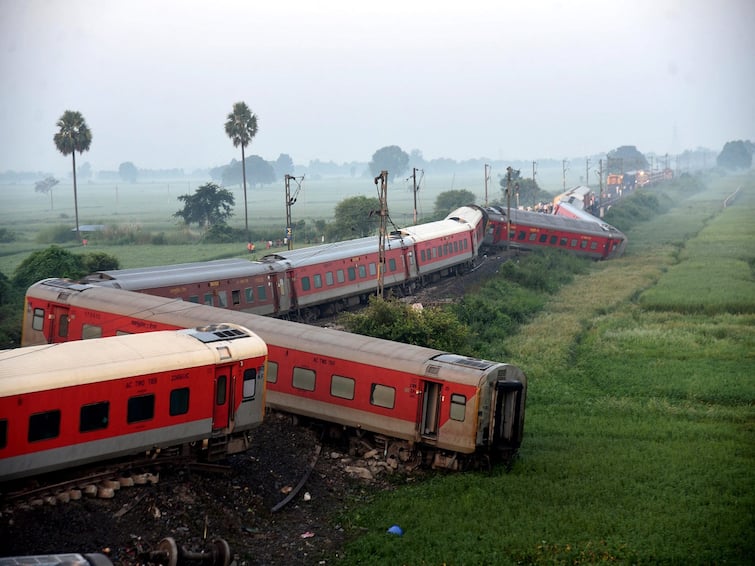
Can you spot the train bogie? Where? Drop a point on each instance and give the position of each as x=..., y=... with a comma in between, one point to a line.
x=73, y=403
x=433, y=401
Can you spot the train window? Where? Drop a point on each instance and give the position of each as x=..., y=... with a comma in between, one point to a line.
x=593, y=245
x=574, y=243
x=140, y=408
x=272, y=371
x=223, y=299
x=563, y=241
x=38, y=319
x=422, y=255
x=522, y=235
x=220, y=390
x=458, y=407
x=208, y=299
x=179, y=401
x=373, y=269
x=304, y=379
x=445, y=249
x=122, y=333
x=94, y=416
x=43, y=426
x=435, y=253
x=250, y=383
x=317, y=280
x=339, y=276
x=392, y=264
x=352, y=273
x=249, y=295
x=342, y=387
x=382, y=396
x=533, y=236
x=305, y=283
x=236, y=297
x=543, y=238
x=261, y=292
x=583, y=244
x=63, y=326
x=90, y=331
x=362, y=272
x=3, y=433
x=194, y=299
x=554, y=240
x=456, y=247
x=328, y=277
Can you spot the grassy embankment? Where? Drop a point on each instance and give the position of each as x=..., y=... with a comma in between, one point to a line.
x=639, y=434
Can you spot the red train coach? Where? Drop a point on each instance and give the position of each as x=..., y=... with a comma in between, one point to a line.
x=534, y=230
x=452, y=408
x=319, y=280
x=69, y=404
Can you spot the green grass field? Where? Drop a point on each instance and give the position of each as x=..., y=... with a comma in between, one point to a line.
x=639, y=439
x=639, y=445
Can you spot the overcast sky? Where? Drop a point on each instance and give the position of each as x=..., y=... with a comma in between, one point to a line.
x=338, y=79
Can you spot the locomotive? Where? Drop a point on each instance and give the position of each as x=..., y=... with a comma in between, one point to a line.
x=197, y=391
x=446, y=409
x=320, y=280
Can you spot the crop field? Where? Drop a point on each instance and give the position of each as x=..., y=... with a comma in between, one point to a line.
x=148, y=208
x=639, y=438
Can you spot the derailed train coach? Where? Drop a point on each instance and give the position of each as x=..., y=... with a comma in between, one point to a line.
x=310, y=282
x=447, y=410
x=196, y=392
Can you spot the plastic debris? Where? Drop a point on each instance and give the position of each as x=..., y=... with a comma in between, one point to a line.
x=396, y=530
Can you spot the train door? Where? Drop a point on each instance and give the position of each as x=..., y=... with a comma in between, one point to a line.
x=430, y=409
x=58, y=328
x=222, y=412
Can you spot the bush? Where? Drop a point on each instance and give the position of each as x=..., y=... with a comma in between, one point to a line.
x=51, y=262
x=60, y=234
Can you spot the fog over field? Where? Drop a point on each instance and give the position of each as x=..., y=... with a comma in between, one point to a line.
x=336, y=80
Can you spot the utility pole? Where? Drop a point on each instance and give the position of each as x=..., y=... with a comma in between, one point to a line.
x=383, y=197
x=416, y=188
x=508, y=208
x=487, y=178
x=290, y=200
x=534, y=183
x=564, y=169
x=587, y=171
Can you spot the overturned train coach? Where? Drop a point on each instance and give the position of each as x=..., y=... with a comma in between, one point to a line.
x=195, y=393
x=450, y=410
x=534, y=230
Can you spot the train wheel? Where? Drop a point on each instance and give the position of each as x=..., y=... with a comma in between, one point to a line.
x=169, y=549
x=222, y=553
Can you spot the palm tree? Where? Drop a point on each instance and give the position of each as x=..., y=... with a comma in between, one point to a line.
x=241, y=127
x=73, y=135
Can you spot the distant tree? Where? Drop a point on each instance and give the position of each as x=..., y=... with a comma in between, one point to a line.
x=241, y=127
x=735, y=155
x=354, y=218
x=209, y=205
x=416, y=158
x=625, y=158
x=99, y=261
x=85, y=171
x=45, y=186
x=50, y=262
x=284, y=165
x=73, y=135
x=447, y=201
x=260, y=171
x=390, y=158
x=524, y=191
x=128, y=172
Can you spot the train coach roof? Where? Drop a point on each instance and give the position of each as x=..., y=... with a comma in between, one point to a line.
x=334, y=251
x=554, y=221
x=178, y=274
x=39, y=368
x=320, y=342
x=459, y=221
